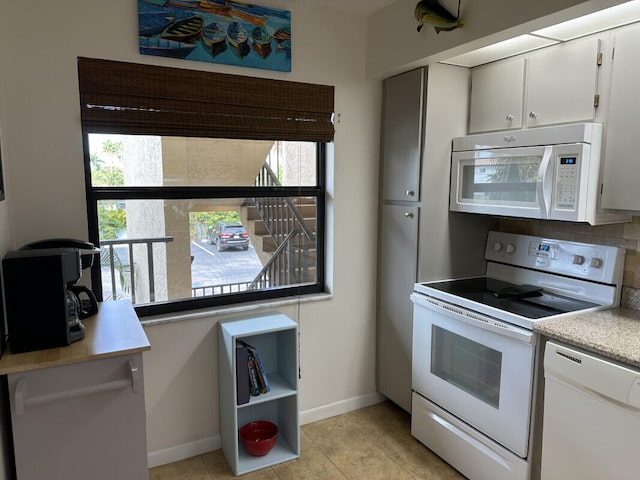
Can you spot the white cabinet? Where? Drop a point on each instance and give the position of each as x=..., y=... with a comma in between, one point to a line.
x=275, y=336
x=562, y=82
x=554, y=85
x=497, y=91
x=621, y=165
x=85, y=420
x=78, y=411
x=402, y=134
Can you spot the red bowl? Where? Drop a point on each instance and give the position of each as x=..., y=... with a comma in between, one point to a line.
x=258, y=438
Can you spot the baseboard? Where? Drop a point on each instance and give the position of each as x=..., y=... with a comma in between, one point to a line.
x=187, y=450
x=338, y=408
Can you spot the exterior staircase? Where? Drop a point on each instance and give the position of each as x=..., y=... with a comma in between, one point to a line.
x=283, y=232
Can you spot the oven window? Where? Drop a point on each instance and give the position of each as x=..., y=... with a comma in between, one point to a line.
x=471, y=366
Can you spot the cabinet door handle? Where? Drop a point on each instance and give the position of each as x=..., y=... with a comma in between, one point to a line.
x=533, y=115
x=21, y=398
x=509, y=117
x=136, y=379
x=410, y=193
x=408, y=214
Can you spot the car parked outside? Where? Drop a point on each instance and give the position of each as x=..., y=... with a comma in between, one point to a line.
x=227, y=235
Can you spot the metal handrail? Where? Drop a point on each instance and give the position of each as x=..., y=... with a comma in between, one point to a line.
x=262, y=277
x=284, y=223
x=130, y=242
x=267, y=177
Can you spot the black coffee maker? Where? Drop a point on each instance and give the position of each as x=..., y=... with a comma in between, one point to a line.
x=43, y=303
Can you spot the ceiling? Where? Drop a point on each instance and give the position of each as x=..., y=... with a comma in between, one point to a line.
x=616, y=16
x=359, y=7
x=623, y=14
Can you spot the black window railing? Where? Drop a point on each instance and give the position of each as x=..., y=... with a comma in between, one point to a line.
x=121, y=274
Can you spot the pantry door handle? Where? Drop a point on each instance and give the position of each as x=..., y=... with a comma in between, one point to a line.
x=21, y=398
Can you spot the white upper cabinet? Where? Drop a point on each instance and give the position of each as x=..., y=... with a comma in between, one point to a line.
x=562, y=82
x=553, y=85
x=621, y=166
x=497, y=91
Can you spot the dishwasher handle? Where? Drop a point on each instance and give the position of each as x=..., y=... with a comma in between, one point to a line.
x=22, y=399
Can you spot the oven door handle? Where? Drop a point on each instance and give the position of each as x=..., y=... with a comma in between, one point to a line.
x=474, y=319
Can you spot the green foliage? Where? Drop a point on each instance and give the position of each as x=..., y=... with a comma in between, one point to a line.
x=122, y=269
x=112, y=148
x=111, y=220
x=96, y=162
x=107, y=177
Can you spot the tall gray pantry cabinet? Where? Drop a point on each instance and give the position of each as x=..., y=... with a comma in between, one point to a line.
x=419, y=239
x=402, y=120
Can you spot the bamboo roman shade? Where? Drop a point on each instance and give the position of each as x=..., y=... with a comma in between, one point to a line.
x=119, y=97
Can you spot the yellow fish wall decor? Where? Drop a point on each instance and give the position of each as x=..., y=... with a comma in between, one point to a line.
x=432, y=13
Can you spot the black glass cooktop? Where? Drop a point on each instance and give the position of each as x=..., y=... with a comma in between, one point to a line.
x=524, y=300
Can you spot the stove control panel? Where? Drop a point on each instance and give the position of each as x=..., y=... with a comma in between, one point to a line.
x=599, y=263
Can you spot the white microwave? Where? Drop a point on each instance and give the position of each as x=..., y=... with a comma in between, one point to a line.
x=549, y=173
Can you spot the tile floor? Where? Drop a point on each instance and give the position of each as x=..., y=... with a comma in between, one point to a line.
x=367, y=444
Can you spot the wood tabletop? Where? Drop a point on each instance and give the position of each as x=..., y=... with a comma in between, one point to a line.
x=115, y=330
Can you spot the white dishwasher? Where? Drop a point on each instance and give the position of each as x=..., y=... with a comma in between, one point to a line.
x=591, y=426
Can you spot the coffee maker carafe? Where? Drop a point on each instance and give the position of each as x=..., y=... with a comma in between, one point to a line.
x=44, y=305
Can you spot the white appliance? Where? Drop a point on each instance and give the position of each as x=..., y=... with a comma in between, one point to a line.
x=550, y=173
x=591, y=416
x=475, y=355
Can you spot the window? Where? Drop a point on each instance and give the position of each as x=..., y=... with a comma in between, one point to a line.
x=203, y=200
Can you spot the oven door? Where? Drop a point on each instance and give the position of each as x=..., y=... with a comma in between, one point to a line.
x=476, y=368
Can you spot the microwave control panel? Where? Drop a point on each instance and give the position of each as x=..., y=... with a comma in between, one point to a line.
x=567, y=175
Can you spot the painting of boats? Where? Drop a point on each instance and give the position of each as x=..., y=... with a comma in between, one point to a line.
x=261, y=41
x=165, y=48
x=152, y=23
x=214, y=38
x=282, y=34
x=186, y=30
x=219, y=7
x=237, y=37
x=160, y=3
x=184, y=3
x=216, y=31
x=248, y=13
x=284, y=47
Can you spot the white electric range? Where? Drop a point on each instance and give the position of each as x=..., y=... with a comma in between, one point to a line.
x=475, y=352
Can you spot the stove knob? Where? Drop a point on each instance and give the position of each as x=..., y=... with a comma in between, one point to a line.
x=510, y=248
x=497, y=246
x=595, y=262
x=577, y=259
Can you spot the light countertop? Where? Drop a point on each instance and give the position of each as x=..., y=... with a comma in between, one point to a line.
x=115, y=330
x=614, y=333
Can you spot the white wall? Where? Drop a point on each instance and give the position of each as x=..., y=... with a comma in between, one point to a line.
x=42, y=145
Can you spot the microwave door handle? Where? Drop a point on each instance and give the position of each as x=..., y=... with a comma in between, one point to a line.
x=544, y=183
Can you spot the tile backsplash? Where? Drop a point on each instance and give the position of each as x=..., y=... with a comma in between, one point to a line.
x=626, y=235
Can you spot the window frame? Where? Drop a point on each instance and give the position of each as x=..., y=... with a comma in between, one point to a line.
x=95, y=194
